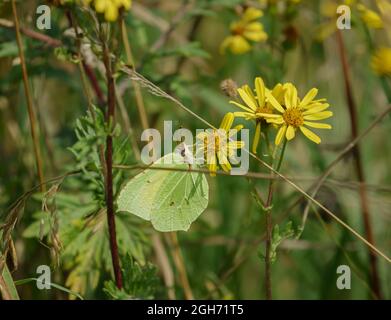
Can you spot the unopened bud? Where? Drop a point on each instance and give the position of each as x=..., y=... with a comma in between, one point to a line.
x=229, y=87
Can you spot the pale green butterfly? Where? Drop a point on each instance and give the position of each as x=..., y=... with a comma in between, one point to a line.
x=171, y=200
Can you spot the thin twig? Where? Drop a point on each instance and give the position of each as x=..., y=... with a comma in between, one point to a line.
x=358, y=165
x=49, y=41
x=29, y=100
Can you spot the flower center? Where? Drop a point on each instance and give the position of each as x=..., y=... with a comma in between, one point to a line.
x=238, y=31
x=293, y=117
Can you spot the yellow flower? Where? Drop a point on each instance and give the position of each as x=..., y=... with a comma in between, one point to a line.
x=328, y=9
x=370, y=17
x=381, y=61
x=218, y=146
x=385, y=11
x=255, y=106
x=243, y=31
x=110, y=8
x=297, y=114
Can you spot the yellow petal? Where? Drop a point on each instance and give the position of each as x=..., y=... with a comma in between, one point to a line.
x=233, y=132
x=239, y=45
x=310, y=135
x=290, y=133
x=251, y=14
x=237, y=128
x=212, y=165
x=318, y=107
x=100, y=5
x=309, y=97
x=275, y=104
x=268, y=115
x=223, y=161
x=318, y=116
x=225, y=44
x=254, y=31
x=290, y=96
x=256, y=36
x=242, y=106
x=279, y=120
x=233, y=145
x=278, y=92
x=227, y=121
x=247, y=98
x=317, y=125
x=212, y=168
x=254, y=27
x=381, y=60
x=250, y=93
x=257, y=137
x=370, y=17
x=280, y=135
x=260, y=90
x=111, y=13
x=245, y=115
x=202, y=136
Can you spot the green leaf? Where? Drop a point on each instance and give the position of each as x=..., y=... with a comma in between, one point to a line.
x=171, y=200
x=7, y=286
x=139, y=282
x=54, y=285
x=278, y=236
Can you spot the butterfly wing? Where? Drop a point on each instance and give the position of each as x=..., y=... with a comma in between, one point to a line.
x=182, y=198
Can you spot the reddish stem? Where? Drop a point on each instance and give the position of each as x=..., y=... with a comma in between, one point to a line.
x=109, y=166
x=375, y=281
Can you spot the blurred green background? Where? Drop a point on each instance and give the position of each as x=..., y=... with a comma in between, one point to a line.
x=176, y=45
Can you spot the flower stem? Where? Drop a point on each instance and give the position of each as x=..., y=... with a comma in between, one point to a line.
x=269, y=228
x=109, y=165
x=30, y=109
x=375, y=280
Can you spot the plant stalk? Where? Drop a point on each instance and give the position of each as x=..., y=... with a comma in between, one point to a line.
x=375, y=281
x=29, y=100
x=269, y=229
x=110, y=114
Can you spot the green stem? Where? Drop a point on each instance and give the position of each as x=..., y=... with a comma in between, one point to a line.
x=269, y=228
x=281, y=155
x=29, y=101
